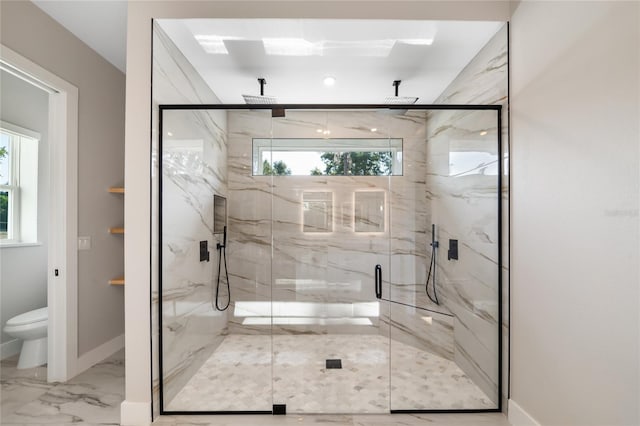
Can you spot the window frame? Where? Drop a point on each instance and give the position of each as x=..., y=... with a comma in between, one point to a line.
x=18, y=136
x=393, y=145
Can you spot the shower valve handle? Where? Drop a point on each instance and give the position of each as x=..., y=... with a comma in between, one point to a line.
x=378, y=280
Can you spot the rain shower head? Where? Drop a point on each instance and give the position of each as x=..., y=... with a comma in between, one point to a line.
x=255, y=100
x=399, y=100
x=262, y=99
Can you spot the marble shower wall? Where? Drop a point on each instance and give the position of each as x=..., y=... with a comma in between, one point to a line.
x=194, y=159
x=193, y=169
x=249, y=226
x=322, y=274
x=462, y=181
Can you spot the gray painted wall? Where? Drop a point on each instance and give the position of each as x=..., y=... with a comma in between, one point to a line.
x=23, y=270
x=101, y=89
x=575, y=103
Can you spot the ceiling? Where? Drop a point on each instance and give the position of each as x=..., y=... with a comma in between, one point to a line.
x=294, y=55
x=100, y=24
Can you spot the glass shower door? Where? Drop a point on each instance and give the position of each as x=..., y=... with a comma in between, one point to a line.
x=362, y=249
x=330, y=230
x=445, y=265
x=215, y=339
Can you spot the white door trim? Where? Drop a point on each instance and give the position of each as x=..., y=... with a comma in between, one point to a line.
x=62, y=290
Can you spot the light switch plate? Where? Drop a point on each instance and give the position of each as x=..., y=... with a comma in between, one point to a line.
x=84, y=243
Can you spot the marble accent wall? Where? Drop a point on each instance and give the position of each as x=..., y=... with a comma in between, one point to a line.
x=320, y=275
x=194, y=168
x=465, y=207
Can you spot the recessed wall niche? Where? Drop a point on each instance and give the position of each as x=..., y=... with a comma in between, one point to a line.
x=317, y=211
x=368, y=211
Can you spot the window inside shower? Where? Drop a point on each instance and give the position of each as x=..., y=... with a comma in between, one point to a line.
x=327, y=156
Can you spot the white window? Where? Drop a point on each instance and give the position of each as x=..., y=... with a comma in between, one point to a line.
x=18, y=184
x=328, y=157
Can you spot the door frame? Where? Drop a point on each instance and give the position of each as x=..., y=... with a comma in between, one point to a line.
x=62, y=256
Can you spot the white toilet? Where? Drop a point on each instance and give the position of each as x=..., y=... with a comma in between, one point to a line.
x=31, y=327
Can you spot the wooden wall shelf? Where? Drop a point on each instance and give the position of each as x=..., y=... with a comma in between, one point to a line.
x=116, y=230
x=117, y=281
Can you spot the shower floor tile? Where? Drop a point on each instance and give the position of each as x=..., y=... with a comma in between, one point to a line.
x=240, y=376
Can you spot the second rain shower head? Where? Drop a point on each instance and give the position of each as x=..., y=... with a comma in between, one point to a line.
x=399, y=100
x=262, y=99
x=258, y=100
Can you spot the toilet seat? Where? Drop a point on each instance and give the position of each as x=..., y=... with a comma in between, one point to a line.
x=30, y=317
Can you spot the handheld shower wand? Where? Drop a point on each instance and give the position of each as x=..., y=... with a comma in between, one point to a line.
x=432, y=267
x=222, y=254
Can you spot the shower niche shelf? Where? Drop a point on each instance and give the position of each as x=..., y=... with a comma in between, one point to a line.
x=116, y=230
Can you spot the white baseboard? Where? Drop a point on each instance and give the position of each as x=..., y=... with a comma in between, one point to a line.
x=519, y=417
x=10, y=348
x=135, y=413
x=98, y=354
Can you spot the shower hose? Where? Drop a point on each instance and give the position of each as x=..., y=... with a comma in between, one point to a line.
x=432, y=266
x=222, y=257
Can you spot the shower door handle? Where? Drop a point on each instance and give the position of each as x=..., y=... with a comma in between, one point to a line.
x=378, y=278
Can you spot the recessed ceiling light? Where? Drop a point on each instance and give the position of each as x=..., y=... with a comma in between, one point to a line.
x=483, y=133
x=329, y=81
x=319, y=130
x=169, y=134
x=374, y=130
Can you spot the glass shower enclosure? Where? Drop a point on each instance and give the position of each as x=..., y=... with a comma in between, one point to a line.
x=354, y=268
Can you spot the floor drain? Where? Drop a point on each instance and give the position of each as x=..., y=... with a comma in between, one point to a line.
x=334, y=363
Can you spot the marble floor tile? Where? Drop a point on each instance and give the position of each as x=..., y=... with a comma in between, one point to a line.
x=464, y=419
x=93, y=397
x=251, y=372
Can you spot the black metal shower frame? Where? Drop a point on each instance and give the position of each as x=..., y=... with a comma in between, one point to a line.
x=278, y=110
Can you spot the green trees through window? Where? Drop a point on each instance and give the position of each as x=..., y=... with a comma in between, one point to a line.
x=279, y=168
x=4, y=195
x=4, y=214
x=356, y=163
